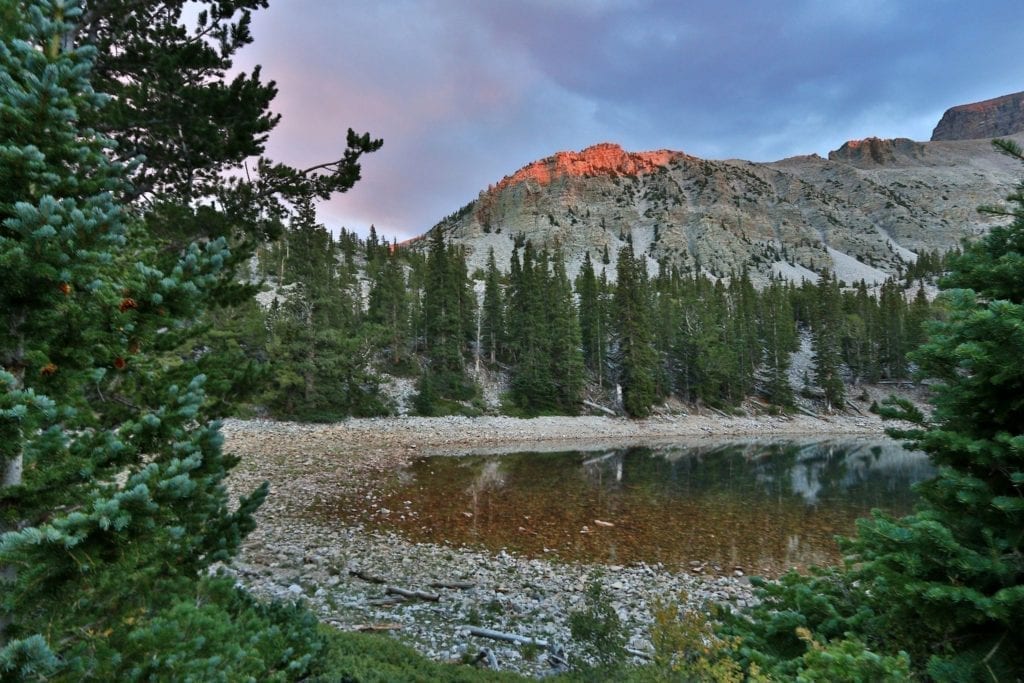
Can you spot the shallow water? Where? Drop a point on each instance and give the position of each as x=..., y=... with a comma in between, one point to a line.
x=761, y=507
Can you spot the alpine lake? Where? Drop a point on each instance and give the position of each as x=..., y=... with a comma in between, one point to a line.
x=744, y=507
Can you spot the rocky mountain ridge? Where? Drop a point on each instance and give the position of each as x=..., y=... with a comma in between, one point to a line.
x=997, y=117
x=864, y=212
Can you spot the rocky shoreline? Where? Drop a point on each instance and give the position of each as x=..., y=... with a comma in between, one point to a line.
x=344, y=571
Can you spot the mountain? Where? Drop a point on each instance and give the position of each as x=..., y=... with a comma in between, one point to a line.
x=864, y=212
x=998, y=117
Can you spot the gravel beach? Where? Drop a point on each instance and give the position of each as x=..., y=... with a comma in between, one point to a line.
x=344, y=571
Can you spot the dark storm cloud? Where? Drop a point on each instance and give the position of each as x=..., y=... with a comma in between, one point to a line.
x=464, y=92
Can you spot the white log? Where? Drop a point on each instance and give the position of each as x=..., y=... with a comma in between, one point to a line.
x=591, y=404
x=507, y=637
x=358, y=573
x=364, y=628
x=406, y=593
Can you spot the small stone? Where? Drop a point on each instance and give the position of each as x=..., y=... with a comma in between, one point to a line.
x=295, y=589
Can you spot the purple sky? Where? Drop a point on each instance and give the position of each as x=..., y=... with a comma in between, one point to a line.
x=464, y=92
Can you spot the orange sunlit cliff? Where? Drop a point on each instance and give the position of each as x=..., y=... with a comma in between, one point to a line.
x=600, y=159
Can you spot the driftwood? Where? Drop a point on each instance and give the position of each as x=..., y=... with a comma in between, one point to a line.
x=406, y=593
x=507, y=637
x=457, y=585
x=639, y=653
x=390, y=600
x=488, y=654
x=807, y=412
x=372, y=578
x=596, y=406
x=557, y=659
x=850, y=403
x=376, y=627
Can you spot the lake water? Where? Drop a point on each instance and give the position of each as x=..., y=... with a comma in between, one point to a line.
x=756, y=506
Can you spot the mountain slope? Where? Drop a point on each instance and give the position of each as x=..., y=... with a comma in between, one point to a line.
x=864, y=212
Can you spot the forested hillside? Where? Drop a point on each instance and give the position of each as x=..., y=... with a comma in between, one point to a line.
x=348, y=317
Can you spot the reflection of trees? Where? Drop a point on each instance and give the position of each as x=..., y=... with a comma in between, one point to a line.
x=489, y=479
x=605, y=471
x=764, y=506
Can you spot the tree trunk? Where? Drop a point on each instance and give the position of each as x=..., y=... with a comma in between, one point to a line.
x=479, y=340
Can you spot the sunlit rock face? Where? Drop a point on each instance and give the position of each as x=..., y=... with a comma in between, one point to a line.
x=993, y=118
x=878, y=151
x=864, y=213
x=602, y=159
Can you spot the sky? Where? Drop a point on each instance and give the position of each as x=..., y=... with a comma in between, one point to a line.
x=464, y=92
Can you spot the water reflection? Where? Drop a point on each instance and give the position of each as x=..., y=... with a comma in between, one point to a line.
x=762, y=506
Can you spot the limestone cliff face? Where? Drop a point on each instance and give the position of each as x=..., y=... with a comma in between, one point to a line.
x=878, y=152
x=998, y=117
x=863, y=212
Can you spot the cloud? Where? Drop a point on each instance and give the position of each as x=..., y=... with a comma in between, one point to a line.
x=465, y=92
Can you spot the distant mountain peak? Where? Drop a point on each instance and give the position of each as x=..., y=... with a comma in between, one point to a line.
x=992, y=118
x=604, y=158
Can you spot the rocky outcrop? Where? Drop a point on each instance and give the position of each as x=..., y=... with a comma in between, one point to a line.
x=879, y=152
x=605, y=158
x=998, y=117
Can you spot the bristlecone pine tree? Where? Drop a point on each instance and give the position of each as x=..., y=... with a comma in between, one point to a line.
x=942, y=589
x=112, y=497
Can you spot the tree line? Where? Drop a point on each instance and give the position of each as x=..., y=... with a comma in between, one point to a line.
x=351, y=309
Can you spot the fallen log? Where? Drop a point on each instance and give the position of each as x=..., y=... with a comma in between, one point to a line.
x=596, y=406
x=507, y=637
x=390, y=600
x=372, y=578
x=850, y=403
x=457, y=585
x=411, y=594
x=365, y=628
x=486, y=653
x=807, y=412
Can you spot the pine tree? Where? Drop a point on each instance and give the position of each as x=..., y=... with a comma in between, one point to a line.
x=779, y=337
x=590, y=317
x=566, y=356
x=634, y=335
x=826, y=341
x=320, y=348
x=445, y=324
x=893, y=340
x=492, y=324
x=955, y=574
x=389, y=307
x=532, y=381
x=113, y=497
x=918, y=314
